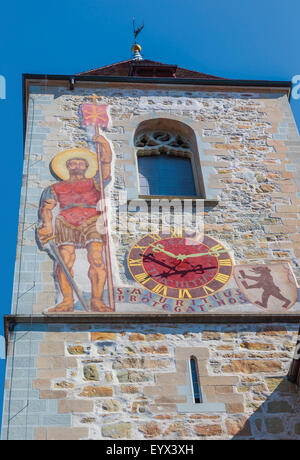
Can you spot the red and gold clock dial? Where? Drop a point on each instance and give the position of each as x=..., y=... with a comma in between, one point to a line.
x=179, y=267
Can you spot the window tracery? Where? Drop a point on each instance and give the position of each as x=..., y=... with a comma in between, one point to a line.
x=163, y=142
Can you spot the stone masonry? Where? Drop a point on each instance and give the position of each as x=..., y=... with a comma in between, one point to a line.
x=129, y=383
x=247, y=145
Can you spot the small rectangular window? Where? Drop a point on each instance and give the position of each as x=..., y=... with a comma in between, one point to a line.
x=195, y=381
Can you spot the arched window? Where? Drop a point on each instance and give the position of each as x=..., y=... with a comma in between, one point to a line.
x=166, y=160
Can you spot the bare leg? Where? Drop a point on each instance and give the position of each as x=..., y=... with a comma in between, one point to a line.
x=67, y=253
x=97, y=275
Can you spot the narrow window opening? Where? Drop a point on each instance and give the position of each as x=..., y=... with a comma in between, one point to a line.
x=195, y=381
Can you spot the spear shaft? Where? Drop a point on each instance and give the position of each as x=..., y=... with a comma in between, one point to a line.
x=105, y=223
x=94, y=114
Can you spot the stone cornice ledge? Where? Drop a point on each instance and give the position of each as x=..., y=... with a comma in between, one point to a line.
x=146, y=318
x=128, y=318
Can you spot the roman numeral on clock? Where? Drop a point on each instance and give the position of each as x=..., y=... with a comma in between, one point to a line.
x=222, y=278
x=207, y=290
x=155, y=237
x=176, y=233
x=225, y=262
x=184, y=294
x=160, y=289
x=142, y=278
x=137, y=246
x=217, y=248
x=135, y=262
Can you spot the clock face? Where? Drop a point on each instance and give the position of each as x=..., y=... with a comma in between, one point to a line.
x=179, y=267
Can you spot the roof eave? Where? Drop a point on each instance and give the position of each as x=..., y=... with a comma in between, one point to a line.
x=72, y=79
x=170, y=81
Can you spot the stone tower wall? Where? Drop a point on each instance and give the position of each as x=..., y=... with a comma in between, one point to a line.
x=132, y=381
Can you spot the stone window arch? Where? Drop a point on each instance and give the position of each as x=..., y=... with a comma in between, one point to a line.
x=168, y=159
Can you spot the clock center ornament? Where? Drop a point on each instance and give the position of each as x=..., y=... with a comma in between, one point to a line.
x=177, y=266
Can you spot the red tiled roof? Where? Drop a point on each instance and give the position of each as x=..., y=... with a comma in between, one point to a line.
x=124, y=68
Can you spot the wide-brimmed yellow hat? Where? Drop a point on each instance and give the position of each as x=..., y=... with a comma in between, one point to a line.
x=59, y=166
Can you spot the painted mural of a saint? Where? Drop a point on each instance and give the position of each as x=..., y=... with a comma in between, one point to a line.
x=74, y=227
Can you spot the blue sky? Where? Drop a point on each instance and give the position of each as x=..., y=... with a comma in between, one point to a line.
x=257, y=39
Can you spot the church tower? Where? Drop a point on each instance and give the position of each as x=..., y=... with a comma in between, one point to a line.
x=155, y=293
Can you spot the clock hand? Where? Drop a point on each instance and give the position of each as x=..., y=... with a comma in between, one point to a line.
x=202, y=269
x=152, y=259
x=181, y=257
x=215, y=253
x=195, y=270
x=172, y=270
x=160, y=248
x=199, y=269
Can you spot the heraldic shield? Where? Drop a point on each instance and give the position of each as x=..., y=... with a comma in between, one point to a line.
x=270, y=287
